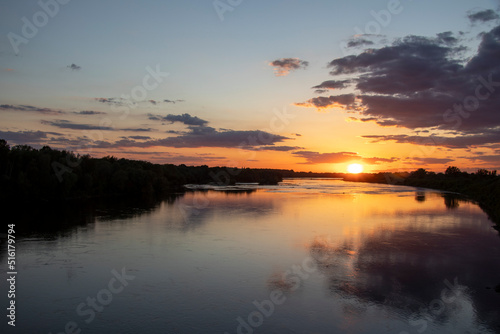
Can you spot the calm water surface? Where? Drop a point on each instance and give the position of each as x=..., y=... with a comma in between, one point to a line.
x=308, y=256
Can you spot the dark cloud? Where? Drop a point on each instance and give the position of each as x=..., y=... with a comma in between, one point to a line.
x=65, y=124
x=483, y=16
x=19, y=107
x=206, y=137
x=356, y=42
x=120, y=101
x=431, y=161
x=345, y=101
x=486, y=159
x=184, y=118
x=74, y=67
x=138, y=137
x=283, y=66
x=337, y=157
x=25, y=137
x=110, y=100
x=138, y=129
x=173, y=101
x=280, y=148
x=154, y=102
x=331, y=84
x=463, y=141
x=424, y=83
x=89, y=112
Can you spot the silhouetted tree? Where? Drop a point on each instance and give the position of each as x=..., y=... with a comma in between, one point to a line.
x=452, y=170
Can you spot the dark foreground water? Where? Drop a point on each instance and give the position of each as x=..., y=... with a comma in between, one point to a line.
x=308, y=256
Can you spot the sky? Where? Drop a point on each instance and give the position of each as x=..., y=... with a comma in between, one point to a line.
x=393, y=85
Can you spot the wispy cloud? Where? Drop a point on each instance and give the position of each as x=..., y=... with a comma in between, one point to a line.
x=122, y=101
x=345, y=101
x=331, y=85
x=463, y=141
x=313, y=158
x=89, y=112
x=357, y=42
x=65, y=124
x=186, y=119
x=74, y=67
x=432, y=161
x=483, y=16
x=20, y=107
x=139, y=129
x=284, y=66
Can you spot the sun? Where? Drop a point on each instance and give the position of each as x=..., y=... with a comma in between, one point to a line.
x=355, y=168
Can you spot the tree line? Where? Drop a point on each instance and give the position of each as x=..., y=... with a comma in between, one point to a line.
x=46, y=174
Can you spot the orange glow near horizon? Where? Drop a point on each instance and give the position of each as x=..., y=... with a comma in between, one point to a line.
x=355, y=168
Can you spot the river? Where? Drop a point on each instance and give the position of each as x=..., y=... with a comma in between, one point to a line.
x=307, y=256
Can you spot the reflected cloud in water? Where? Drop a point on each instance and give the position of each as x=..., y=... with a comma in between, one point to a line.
x=404, y=270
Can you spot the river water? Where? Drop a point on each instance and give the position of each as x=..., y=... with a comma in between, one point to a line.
x=307, y=256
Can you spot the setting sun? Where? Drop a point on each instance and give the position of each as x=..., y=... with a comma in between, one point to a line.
x=355, y=168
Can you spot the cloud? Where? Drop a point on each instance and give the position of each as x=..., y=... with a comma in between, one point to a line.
x=184, y=118
x=121, y=101
x=172, y=101
x=355, y=42
x=89, y=112
x=110, y=100
x=345, y=101
x=138, y=129
x=331, y=84
x=485, y=158
x=313, y=158
x=154, y=102
x=424, y=83
x=462, y=141
x=25, y=137
x=139, y=137
x=283, y=66
x=19, y=107
x=65, y=124
x=74, y=67
x=483, y=16
x=280, y=148
x=206, y=137
x=431, y=161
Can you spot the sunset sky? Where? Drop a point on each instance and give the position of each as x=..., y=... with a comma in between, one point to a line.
x=304, y=85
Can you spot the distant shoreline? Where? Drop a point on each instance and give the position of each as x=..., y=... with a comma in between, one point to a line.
x=50, y=176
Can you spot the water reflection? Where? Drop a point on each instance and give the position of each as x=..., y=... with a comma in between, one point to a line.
x=203, y=257
x=452, y=201
x=420, y=196
x=407, y=269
